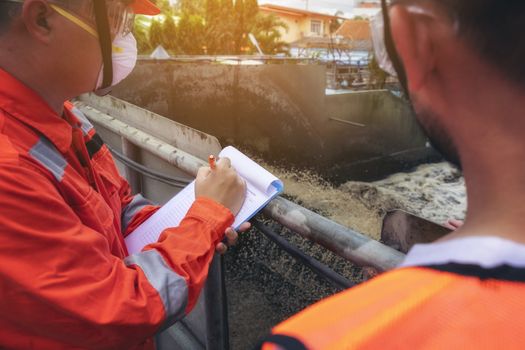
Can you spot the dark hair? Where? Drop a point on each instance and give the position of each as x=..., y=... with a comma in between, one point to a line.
x=493, y=28
x=8, y=10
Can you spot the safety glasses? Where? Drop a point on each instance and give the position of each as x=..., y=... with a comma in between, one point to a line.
x=121, y=16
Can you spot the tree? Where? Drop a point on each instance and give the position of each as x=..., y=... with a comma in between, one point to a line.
x=239, y=33
x=141, y=33
x=190, y=6
x=190, y=34
x=169, y=33
x=266, y=31
x=155, y=33
x=165, y=7
x=215, y=27
x=251, y=9
x=336, y=23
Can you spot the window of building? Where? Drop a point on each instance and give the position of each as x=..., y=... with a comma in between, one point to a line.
x=315, y=27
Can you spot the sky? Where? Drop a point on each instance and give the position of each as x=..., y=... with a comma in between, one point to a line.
x=324, y=6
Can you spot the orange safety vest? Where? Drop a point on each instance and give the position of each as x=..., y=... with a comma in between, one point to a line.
x=449, y=306
x=66, y=280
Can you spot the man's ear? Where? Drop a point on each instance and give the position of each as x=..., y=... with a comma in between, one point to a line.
x=414, y=43
x=36, y=15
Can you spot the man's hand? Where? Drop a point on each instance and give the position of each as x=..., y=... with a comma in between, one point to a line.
x=231, y=238
x=222, y=184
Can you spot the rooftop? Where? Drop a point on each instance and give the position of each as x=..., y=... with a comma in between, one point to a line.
x=355, y=30
x=294, y=11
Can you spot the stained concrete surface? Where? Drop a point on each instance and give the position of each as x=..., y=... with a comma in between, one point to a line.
x=280, y=111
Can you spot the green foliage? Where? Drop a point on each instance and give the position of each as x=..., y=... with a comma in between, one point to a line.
x=155, y=34
x=220, y=26
x=169, y=33
x=191, y=6
x=251, y=8
x=239, y=32
x=141, y=33
x=266, y=31
x=213, y=27
x=164, y=6
x=190, y=35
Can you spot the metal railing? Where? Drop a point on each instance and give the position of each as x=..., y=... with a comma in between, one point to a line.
x=341, y=240
x=266, y=59
x=347, y=243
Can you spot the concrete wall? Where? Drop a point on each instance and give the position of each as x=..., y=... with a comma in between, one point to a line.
x=279, y=111
x=389, y=125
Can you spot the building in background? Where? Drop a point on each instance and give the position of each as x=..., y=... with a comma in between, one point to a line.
x=366, y=9
x=357, y=33
x=344, y=44
x=309, y=34
x=301, y=23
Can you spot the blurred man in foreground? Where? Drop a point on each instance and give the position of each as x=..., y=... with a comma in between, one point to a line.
x=463, y=61
x=66, y=280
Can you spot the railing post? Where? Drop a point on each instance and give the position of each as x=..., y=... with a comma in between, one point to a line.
x=217, y=330
x=134, y=178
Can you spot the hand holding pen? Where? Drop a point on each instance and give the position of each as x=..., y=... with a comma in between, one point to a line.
x=221, y=183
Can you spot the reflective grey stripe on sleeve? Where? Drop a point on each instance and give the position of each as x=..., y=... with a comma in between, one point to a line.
x=171, y=287
x=86, y=124
x=129, y=211
x=46, y=154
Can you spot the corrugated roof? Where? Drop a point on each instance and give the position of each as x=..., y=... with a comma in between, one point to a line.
x=355, y=30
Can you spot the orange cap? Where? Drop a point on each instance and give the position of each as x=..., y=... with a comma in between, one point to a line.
x=145, y=7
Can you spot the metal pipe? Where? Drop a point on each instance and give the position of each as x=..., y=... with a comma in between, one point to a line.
x=132, y=152
x=176, y=157
x=316, y=266
x=346, y=243
x=177, y=182
x=217, y=331
x=348, y=122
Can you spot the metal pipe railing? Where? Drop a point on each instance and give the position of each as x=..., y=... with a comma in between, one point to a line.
x=341, y=240
x=237, y=58
x=176, y=157
x=315, y=265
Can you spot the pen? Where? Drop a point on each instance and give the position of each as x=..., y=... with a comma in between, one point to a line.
x=211, y=161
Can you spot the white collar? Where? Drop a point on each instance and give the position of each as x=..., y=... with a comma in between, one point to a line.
x=487, y=252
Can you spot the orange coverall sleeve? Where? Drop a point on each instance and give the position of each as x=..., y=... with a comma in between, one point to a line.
x=61, y=284
x=135, y=208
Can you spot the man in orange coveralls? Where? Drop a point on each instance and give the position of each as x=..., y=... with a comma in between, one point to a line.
x=66, y=281
x=465, y=66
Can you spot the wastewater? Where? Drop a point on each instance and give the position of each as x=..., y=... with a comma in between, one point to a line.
x=266, y=286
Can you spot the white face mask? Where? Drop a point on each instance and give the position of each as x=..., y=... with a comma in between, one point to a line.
x=124, y=58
